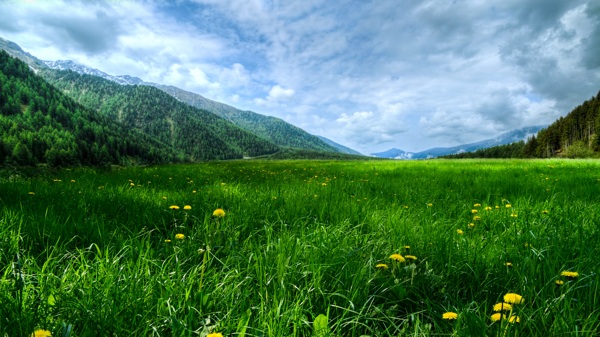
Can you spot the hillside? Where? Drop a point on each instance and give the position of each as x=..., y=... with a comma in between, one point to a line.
x=574, y=135
x=39, y=124
x=198, y=133
x=271, y=128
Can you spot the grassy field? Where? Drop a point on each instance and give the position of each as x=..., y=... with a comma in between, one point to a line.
x=302, y=248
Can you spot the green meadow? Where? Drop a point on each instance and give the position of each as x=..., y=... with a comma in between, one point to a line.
x=302, y=248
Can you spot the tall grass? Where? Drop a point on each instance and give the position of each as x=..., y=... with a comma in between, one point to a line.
x=96, y=253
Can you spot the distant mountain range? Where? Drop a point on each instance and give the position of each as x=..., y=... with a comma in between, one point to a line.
x=505, y=138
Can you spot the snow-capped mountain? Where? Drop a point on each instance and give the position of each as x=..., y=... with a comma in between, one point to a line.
x=505, y=138
x=78, y=68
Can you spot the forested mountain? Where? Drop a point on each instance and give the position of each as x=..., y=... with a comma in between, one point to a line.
x=573, y=136
x=271, y=128
x=198, y=133
x=39, y=124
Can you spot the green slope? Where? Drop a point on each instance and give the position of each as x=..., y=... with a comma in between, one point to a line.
x=39, y=124
x=198, y=133
x=274, y=129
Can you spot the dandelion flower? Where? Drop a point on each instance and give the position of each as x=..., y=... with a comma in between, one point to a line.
x=174, y=207
x=545, y=211
x=167, y=240
x=514, y=319
x=41, y=333
x=513, y=215
x=381, y=266
x=476, y=218
x=513, y=298
x=496, y=317
x=508, y=264
x=508, y=206
x=407, y=247
x=488, y=208
x=559, y=282
x=474, y=211
x=477, y=205
x=497, y=207
x=324, y=184
x=187, y=207
x=502, y=306
x=72, y=180
x=215, y=334
x=570, y=274
x=131, y=184
x=219, y=213
x=471, y=225
x=429, y=205
x=410, y=257
x=450, y=315
x=397, y=257
x=460, y=232
x=31, y=193
x=164, y=198
x=179, y=236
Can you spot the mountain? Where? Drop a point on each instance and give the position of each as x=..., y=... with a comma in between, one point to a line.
x=505, y=138
x=39, y=124
x=200, y=134
x=272, y=129
x=340, y=148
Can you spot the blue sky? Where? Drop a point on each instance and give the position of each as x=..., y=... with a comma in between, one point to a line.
x=368, y=74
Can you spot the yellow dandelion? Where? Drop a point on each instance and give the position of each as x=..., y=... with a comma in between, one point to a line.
x=397, y=257
x=471, y=225
x=174, y=207
x=381, y=266
x=570, y=274
x=222, y=184
x=496, y=317
x=497, y=207
x=514, y=319
x=164, y=198
x=477, y=218
x=460, y=232
x=513, y=298
x=131, y=184
x=215, y=334
x=513, y=215
x=167, y=240
x=502, y=306
x=508, y=206
x=477, y=205
x=324, y=184
x=31, y=193
x=219, y=213
x=449, y=315
x=545, y=211
x=41, y=333
x=559, y=282
x=407, y=247
x=474, y=211
x=194, y=191
x=405, y=207
x=410, y=257
x=187, y=207
x=429, y=205
x=488, y=208
x=508, y=264
x=72, y=180
x=179, y=236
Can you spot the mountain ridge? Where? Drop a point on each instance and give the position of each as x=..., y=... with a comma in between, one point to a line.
x=505, y=138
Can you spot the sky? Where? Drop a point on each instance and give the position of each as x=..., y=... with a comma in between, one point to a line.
x=370, y=75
